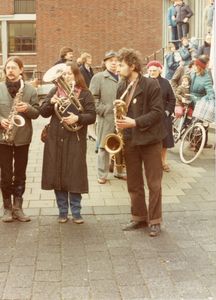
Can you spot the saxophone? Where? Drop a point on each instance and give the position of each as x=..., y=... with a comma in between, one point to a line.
x=113, y=143
x=15, y=119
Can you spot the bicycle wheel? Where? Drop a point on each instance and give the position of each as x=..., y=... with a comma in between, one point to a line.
x=176, y=128
x=192, y=143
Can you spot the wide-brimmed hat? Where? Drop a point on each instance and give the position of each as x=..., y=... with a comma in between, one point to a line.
x=109, y=54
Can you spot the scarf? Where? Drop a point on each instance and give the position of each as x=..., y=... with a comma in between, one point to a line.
x=12, y=87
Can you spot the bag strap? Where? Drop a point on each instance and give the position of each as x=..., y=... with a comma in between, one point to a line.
x=129, y=98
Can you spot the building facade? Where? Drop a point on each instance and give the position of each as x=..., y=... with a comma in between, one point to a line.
x=36, y=30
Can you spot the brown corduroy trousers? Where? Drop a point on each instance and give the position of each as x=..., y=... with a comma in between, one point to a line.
x=151, y=156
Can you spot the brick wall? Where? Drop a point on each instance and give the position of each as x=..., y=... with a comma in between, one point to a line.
x=6, y=7
x=96, y=26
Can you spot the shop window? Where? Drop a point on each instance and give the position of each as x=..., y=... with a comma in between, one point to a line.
x=22, y=37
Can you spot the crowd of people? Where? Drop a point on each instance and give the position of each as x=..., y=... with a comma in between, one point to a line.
x=147, y=104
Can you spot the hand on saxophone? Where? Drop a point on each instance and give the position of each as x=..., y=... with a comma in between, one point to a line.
x=5, y=123
x=22, y=106
x=71, y=119
x=125, y=122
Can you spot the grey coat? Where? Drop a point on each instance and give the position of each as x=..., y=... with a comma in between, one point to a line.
x=104, y=87
x=24, y=134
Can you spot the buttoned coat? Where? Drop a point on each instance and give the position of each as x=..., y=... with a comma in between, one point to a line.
x=64, y=161
x=24, y=134
x=147, y=106
x=104, y=87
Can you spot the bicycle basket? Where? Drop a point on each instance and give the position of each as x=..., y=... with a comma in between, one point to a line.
x=205, y=111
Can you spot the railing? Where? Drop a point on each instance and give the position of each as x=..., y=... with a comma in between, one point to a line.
x=24, y=7
x=159, y=55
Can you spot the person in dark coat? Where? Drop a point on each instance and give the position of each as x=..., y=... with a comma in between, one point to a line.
x=172, y=24
x=144, y=130
x=64, y=161
x=66, y=54
x=206, y=48
x=87, y=74
x=182, y=16
x=155, y=69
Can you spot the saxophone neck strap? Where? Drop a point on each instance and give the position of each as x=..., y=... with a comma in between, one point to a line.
x=130, y=95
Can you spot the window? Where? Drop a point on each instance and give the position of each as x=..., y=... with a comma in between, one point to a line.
x=22, y=37
x=24, y=7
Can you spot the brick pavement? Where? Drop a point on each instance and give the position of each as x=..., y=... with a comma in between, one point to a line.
x=97, y=260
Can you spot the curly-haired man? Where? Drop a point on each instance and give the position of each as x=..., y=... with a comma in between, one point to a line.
x=143, y=132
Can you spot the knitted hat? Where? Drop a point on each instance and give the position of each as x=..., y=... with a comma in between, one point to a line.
x=154, y=63
x=109, y=54
x=201, y=62
x=188, y=78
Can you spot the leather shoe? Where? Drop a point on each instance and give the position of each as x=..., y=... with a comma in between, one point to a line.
x=102, y=180
x=134, y=225
x=154, y=230
x=123, y=177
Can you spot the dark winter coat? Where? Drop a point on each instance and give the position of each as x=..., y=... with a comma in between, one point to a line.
x=204, y=49
x=64, y=161
x=171, y=65
x=147, y=110
x=61, y=61
x=169, y=102
x=183, y=11
x=180, y=93
x=86, y=74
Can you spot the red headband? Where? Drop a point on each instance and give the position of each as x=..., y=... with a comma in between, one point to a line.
x=198, y=62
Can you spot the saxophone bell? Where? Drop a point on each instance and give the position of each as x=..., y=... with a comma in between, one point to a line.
x=16, y=122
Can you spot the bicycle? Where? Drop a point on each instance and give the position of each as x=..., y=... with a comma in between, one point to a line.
x=179, y=125
x=194, y=137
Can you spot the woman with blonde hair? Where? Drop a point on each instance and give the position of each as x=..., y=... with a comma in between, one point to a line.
x=87, y=73
x=171, y=63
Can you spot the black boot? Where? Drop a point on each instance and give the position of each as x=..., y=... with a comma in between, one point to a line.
x=17, y=210
x=7, y=216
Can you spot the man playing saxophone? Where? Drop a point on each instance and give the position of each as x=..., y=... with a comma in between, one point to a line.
x=17, y=99
x=143, y=132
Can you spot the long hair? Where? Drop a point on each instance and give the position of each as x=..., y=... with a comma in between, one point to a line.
x=168, y=49
x=78, y=75
x=18, y=61
x=200, y=70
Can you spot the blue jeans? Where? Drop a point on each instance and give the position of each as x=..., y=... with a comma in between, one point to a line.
x=175, y=36
x=62, y=201
x=183, y=29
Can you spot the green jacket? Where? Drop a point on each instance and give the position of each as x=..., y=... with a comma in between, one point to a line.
x=24, y=134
